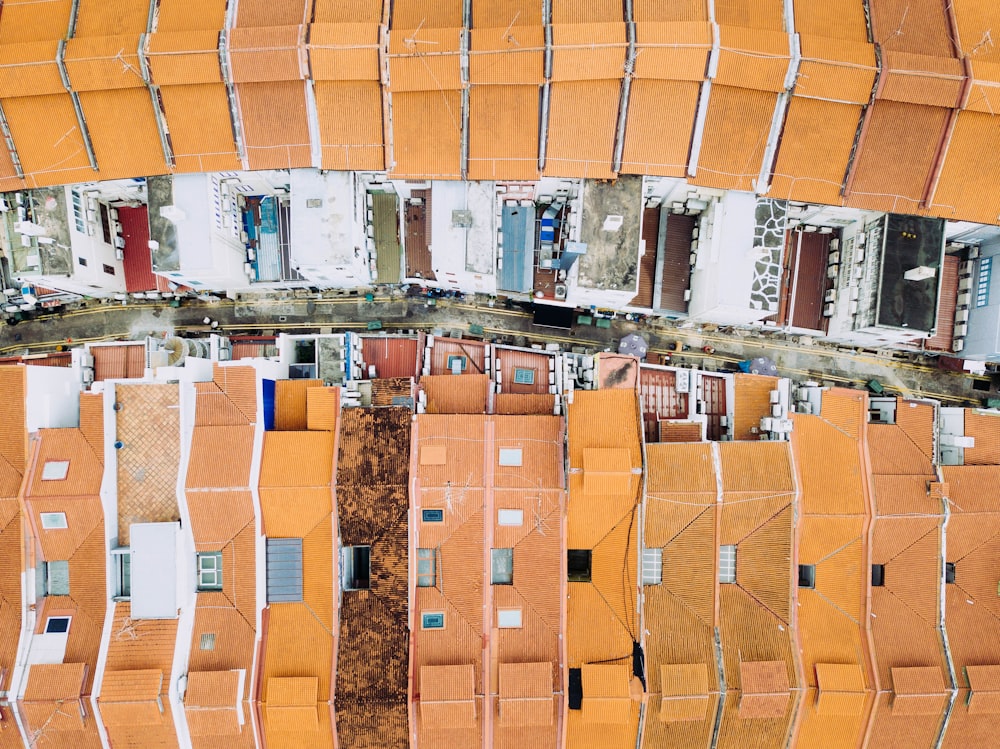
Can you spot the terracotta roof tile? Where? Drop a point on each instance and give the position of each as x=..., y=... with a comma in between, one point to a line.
x=184, y=57
x=55, y=681
x=275, y=125
x=266, y=53
x=458, y=394
x=503, y=132
x=582, y=146
x=205, y=141
x=736, y=129
x=426, y=134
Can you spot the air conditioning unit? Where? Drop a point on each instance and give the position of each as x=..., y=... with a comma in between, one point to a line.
x=852, y=308
x=973, y=252
x=964, y=299
x=962, y=315
x=830, y=296
x=961, y=329
x=119, y=254
x=833, y=259
x=561, y=291
x=859, y=255
x=964, y=284
x=828, y=310
x=832, y=271
x=120, y=242
x=860, y=238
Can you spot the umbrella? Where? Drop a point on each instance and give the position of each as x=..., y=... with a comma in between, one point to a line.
x=633, y=345
x=763, y=366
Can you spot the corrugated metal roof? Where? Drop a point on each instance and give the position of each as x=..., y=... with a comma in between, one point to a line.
x=518, y=230
x=385, y=222
x=138, y=262
x=919, y=26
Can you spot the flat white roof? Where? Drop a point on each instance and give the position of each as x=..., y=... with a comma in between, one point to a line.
x=154, y=570
x=322, y=217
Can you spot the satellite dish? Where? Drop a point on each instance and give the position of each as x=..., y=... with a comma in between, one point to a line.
x=176, y=351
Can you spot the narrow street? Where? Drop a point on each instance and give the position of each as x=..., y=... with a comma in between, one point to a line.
x=801, y=359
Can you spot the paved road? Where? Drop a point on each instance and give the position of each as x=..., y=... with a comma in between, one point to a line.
x=909, y=374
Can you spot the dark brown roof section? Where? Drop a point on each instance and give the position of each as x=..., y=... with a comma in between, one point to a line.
x=676, y=278
x=372, y=505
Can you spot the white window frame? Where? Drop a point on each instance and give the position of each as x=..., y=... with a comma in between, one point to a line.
x=510, y=619
x=55, y=470
x=53, y=521
x=210, y=578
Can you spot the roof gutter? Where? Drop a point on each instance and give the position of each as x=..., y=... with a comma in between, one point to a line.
x=703, y=98
x=543, y=116
x=934, y=178
x=629, y=71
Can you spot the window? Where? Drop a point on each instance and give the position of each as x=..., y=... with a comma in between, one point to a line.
x=878, y=575
x=807, y=576
x=432, y=516
x=210, y=571
x=432, y=620
x=56, y=578
x=509, y=618
x=574, y=689
x=578, y=565
x=652, y=566
x=983, y=282
x=949, y=573
x=355, y=565
x=82, y=261
x=106, y=224
x=502, y=566
x=57, y=625
x=55, y=470
x=207, y=642
x=109, y=269
x=510, y=456
x=510, y=517
x=53, y=521
x=456, y=363
x=123, y=573
x=524, y=376
x=727, y=564
x=426, y=568
x=78, y=212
